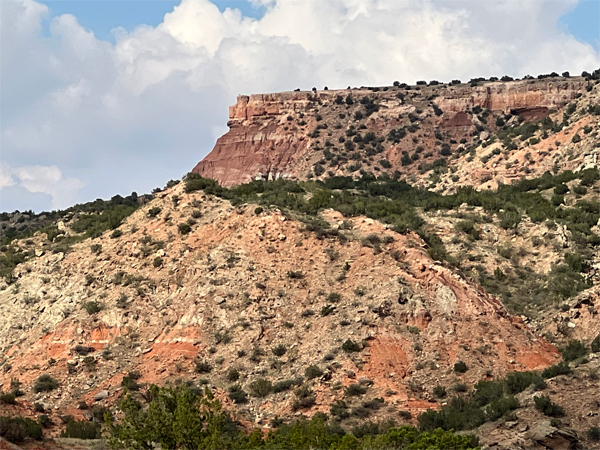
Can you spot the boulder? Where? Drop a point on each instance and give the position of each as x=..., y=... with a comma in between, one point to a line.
x=101, y=395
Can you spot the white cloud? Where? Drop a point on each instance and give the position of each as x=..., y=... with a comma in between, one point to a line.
x=131, y=115
x=45, y=180
x=5, y=178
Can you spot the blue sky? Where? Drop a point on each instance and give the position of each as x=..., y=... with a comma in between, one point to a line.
x=87, y=116
x=583, y=22
x=101, y=16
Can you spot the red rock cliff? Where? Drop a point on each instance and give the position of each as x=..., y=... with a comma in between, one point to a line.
x=282, y=134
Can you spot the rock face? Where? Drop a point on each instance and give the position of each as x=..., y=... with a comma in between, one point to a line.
x=283, y=134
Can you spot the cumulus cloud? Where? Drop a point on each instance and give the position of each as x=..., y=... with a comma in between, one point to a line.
x=130, y=115
x=47, y=180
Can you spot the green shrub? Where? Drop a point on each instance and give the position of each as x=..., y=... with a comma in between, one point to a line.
x=595, y=346
x=355, y=390
x=487, y=391
x=339, y=409
x=92, y=307
x=258, y=210
x=158, y=262
x=327, y=310
x=460, y=367
x=305, y=398
x=468, y=227
x=83, y=350
x=44, y=420
x=90, y=363
x=460, y=387
x=116, y=234
x=547, y=407
x=233, y=375
x=406, y=415
x=184, y=228
x=122, y=302
x=130, y=383
x=203, y=367
x=283, y=386
x=313, y=372
x=350, y=346
x=82, y=429
x=458, y=414
x=135, y=375
x=223, y=337
x=238, y=395
x=8, y=398
x=500, y=407
x=295, y=275
x=574, y=349
x=562, y=368
x=280, y=350
x=594, y=433
x=439, y=391
x=153, y=212
x=96, y=248
x=16, y=429
x=517, y=382
x=261, y=388
x=45, y=383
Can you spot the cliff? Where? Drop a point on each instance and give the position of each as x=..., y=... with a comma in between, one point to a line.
x=300, y=135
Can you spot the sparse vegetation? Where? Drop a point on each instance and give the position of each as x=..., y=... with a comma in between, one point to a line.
x=92, y=307
x=313, y=371
x=17, y=429
x=460, y=367
x=350, y=346
x=548, y=407
x=279, y=350
x=574, y=349
x=45, y=383
x=238, y=395
x=261, y=388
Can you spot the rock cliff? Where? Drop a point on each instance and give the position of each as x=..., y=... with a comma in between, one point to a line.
x=301, y=135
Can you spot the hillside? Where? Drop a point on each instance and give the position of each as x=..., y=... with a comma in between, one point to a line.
x=421, y=295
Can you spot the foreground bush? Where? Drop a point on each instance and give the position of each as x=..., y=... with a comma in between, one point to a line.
x=178, y=418
x=16, y=429
x=82, y=429
x=490, y=400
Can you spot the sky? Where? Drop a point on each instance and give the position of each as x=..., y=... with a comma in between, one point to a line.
x=106, y=97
